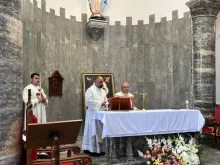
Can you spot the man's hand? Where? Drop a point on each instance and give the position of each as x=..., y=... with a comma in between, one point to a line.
x=43, y=100
x=40, y=99
x=103, y=103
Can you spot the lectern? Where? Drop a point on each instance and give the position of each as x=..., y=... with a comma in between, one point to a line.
x=120, y=103
x=53, y=134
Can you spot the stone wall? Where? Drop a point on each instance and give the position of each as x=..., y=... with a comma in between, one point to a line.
x=204, y=14
x=11, y=115
x=154, y=57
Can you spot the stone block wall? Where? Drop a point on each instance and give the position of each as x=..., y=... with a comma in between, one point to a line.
x=154, y=57
x=11, y=116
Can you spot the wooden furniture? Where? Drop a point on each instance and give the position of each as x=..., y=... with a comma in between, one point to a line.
x=217, y=133
x=55, y=84
x=120, y=103
x=211, y=124
x=55, y=134
x=60, y=133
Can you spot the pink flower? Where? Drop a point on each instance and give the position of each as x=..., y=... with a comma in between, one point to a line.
x=147, y=152
x=148, y=156
x=153, y=158
x=145, y=156
x=148, y=162
x=175, y=162
x=168, y=161
x=159, y=155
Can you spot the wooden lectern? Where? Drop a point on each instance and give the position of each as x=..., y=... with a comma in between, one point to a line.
x=120, y=103
x=55, y=134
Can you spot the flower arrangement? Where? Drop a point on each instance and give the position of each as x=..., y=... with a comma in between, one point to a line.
x=169, y=151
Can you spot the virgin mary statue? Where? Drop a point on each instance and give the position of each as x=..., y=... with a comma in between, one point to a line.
x=96, y=7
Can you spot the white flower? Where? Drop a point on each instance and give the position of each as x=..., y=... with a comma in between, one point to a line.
x=164, y=141
x=174, y=151
x=140, y=153
x=169, y=143
x=155, y=142
x=183, y=148
x=191, y=141
x=158, y=142
x=188, y=152
x=185, y=157
x=193, y=150
x=181, y=138
x=194, y=159
x=149, y=142
x=178, y=151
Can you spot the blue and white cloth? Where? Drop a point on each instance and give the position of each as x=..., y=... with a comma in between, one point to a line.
x=104, y=3
x=150, y=122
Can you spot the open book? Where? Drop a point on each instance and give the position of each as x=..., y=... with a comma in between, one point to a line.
x=120, y=103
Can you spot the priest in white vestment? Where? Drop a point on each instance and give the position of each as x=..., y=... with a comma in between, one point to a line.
x=124, y=93
x=105, y=88
x=95, y=101
x=38, y=99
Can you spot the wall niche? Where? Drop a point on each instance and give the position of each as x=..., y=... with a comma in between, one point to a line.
x=56, y=84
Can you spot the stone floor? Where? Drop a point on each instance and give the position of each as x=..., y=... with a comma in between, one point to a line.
x=210, y=156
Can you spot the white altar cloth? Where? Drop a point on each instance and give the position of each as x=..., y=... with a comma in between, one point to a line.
x=150, y=122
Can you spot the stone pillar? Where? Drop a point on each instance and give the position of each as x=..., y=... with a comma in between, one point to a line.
x=203, y=14
x=11, y=115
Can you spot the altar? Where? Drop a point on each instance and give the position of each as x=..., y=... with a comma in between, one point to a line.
x=124, y=132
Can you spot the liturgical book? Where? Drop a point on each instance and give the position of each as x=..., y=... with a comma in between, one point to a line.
x=120, y=103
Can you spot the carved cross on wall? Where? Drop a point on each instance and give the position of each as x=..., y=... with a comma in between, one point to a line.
x=55, y=84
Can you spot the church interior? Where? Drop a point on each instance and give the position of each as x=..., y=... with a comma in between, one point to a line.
x=165, y=52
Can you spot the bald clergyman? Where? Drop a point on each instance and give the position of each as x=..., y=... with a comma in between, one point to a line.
x=124, y=93
x=95, y=101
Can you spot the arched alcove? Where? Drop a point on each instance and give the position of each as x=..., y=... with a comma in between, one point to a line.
x=154, y=57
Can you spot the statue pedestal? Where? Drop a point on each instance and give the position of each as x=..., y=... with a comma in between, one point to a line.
x=95, y=28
